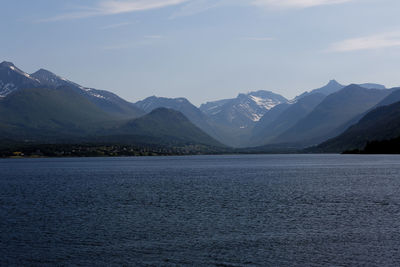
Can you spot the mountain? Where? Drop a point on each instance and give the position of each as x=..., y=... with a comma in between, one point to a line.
x=331, y=116
x=373, y=86
x=269, y=117
x=165, y=125
x=213, y=107
x=46, y=107
x=331, y=87
x=182, y=105
x=107, y=101
x=62, y=115
x=382, y=123
x=234, y=119
x=392, y=98
x=13, y=79
x=179, y=104
x=388, y=146
x=51, y=80
x=265, y=131
x=41, y=113
x=244, y=110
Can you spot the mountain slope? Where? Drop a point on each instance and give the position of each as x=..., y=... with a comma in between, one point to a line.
x=63, y=115
x=48, y=113
x=392, y=98
x=244, y=110
x=381, y=123
x=234, y=119
x=179, y=104
x=12, y=79
x=182, y=105
x=331, y=87
x=372, y=86
x=270, y=117
x=105, y=100
x=264, y=133
x=166, y=125
x=331, y=115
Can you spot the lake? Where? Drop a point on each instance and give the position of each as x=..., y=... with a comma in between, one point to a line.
x=241, y=210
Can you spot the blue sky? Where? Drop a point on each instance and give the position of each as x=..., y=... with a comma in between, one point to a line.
x=205, y=49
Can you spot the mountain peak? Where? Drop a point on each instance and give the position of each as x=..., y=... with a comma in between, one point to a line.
x=373, y=86
x=333, y=82
x=11, y=66
x=43, y=71
x=7, y=64
x=50, y=79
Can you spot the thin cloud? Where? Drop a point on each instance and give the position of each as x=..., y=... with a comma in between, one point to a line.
x=114, y=7
x=118, y=46
x=260, y=39
x=153, y=37
x=296, y=3
x=145, y=41
x=117, y=25
x=198, y=6
x=377, y=41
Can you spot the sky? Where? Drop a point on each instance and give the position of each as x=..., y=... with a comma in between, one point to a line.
x=204, y=50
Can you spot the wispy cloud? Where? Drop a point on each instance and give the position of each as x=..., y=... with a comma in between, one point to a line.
x=198, y=6
x=119, y=46
x=153, y=37
x=144, y=41
x=377, y=41
x=113, y=7
x=117, y=25
x=259, y=38
x=296, y=3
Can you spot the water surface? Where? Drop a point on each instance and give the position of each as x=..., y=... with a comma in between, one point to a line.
x=250, y=210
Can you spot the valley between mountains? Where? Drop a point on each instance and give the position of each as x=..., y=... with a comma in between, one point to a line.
x=44, y=114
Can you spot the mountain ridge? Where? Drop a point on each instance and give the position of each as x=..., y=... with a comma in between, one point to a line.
x=257, y=118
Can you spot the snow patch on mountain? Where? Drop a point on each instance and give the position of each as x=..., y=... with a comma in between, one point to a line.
x=244, y=110
x=265, y=103
x=6, y=89
x=95, y=93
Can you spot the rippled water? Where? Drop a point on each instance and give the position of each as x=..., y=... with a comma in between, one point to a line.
x=256, y=210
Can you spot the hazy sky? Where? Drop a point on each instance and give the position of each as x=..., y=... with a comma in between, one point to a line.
x=204, y=49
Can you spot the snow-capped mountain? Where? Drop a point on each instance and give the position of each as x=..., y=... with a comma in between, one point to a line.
x=244, y=110
x=12, y=78
x=48, y=78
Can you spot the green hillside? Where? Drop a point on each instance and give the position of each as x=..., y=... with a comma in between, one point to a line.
x=166, y=125
x=41, y=113
x=380, y=124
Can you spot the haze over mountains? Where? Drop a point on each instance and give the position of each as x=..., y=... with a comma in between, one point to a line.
x=44, y=107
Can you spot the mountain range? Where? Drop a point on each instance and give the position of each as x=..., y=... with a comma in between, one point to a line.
x=380, y=123
x=44, y=107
